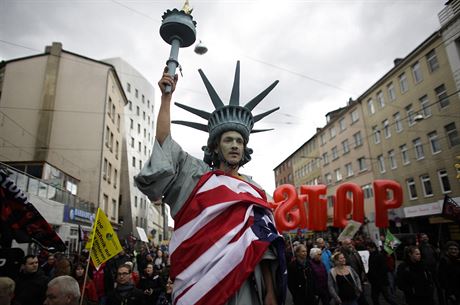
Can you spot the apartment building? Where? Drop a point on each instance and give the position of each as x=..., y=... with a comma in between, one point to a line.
x=136, y=210
x=62, y=122
x=412, y=117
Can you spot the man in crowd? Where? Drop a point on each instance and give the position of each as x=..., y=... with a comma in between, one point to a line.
x=325, y=253
x=6, y=290
x=125, y=293
x=63, y=290
x=31, y=283
x=223, y=224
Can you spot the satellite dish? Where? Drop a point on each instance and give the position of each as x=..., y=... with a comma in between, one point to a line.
x=200, y=48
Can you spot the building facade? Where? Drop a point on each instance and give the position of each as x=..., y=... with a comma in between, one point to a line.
x=136, y=210
x=62, y=122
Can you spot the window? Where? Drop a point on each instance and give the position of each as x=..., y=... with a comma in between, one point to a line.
x=370, y=106
x=376, y=133
x=109, y=107
x=109, y=173
x=128, y=87
x=426, y=185
x=330, y=202
x=452, y=134
x=349, y=169
x=392, y=158
x=113, y=112
x=111, y=141
x=418, y=147
x=342, y=124
x=338, y=175
x=325, y=159
x=411, y=188
x=131, y=123
x=367, y=191
x=398, y=123
x=386, y=129
x=105, y=202
x=358, y=139
x=441, y=94
x=403, y=83
x=139, y=146
x=381, y=163
x=143, y=99
x=354, y=116
x=148, y=103
x=130, y=105
x=444, y=181
x=410, y=115
x=328, y=178
x=143, y=115
x=434, y=142
x=404, y=154
x=117, y=147
x=332, y=132
x=104, y=169
x=137, y=110
x=137, y=221
x=323, y=139
x=136, y=93
x=135, y=201
x=391, y=91
x=425, y=106
x=380, y=99
x=345, y=147
x=335, y=153
x=115, y=177
x=114, y=209
x=362, y=164
x=134, y=162
x=138, y=128
x=432, y=61
x=140, y=164
x=417, y=72
x=132, y=142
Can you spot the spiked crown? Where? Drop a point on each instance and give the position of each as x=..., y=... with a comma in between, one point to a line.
x=231, y=117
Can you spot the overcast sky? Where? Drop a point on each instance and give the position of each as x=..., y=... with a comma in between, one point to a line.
x=322, y=52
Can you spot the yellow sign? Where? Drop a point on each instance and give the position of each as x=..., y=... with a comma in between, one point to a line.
x=103, y=242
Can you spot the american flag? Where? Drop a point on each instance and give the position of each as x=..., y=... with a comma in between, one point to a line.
x=221, y=234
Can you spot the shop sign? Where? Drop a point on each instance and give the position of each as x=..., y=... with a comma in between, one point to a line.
x=423, y=209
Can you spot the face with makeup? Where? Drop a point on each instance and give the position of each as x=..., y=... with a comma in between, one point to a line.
x=231, y=148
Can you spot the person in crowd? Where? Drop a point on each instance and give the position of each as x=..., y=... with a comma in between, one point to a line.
x=100, y=282
x=63, y=267
x=300, y=278
x=430, y=257
x=343, y=282
x=415, y=279
x=151, y=284
x=49, y=266
x=134, y=274
x=159, y=260
x=62, y=290
x=378, y=276
x=88, y=292
x=165, y=295
x=141, y=258
x=353, y=259
x=326, y=254
x=125, y=292
x=31, y=283
x=6, y=290
x=449, y=273
x=320, y=276
x=179, y=178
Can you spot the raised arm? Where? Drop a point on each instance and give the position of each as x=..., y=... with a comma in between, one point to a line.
x=164, y=114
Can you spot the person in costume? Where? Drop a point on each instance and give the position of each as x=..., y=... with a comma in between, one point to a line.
x=225, y=248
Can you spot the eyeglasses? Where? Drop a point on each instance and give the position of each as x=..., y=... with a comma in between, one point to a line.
x=123, y=273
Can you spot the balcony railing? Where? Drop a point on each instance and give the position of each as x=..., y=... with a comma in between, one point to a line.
x=34, y=186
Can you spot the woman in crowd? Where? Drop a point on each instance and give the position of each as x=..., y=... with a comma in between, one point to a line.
x=320, y=288
x=414, y=279
x=344, y=283
x=151, y=284
x=89, y=291
x=300, y=278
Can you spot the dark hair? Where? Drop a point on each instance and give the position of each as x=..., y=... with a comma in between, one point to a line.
x=24, y=260
x=127, y=266
x=409, y=250
x=451, y=243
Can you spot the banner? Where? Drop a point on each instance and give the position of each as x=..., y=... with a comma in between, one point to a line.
x=391, y=242
x=21, y=221
x=103, y=243
x=350, y=230
x=451, y=209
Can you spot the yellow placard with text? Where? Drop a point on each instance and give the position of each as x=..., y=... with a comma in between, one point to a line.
x=103, y=243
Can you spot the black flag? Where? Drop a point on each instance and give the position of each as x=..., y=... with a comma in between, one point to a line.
x=20, y=220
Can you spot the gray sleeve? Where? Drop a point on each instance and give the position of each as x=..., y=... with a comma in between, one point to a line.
x=170, y=174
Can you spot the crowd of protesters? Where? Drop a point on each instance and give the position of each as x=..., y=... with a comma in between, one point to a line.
x=319, y=272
